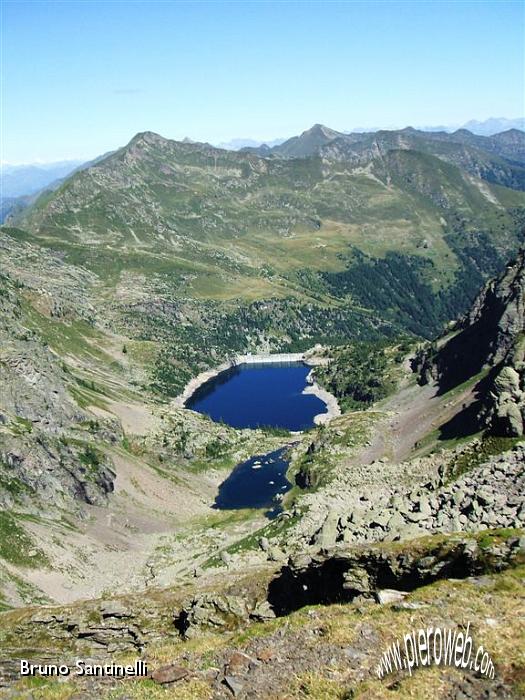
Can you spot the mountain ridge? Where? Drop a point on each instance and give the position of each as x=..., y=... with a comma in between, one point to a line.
x=487, y=127
x=203, y=212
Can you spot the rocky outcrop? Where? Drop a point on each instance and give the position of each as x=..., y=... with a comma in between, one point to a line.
x=488, y=338
x=485, y=336
x=217, y=611
x=498, y=313
x=100, y=628
x=503, y=409
x=38, y=465
x=344, y=574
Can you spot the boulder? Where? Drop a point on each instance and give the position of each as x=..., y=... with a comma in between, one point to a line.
x=211, y=610
x=327, y=535
x=264, y=544
x=379, y=518
x=509, y=420
x=239, y=662
x=169, y=674
x=262, y=611
x=234, y=685
x=386, y=596
x=114, y=608
x=508, y=380
x=396, y=522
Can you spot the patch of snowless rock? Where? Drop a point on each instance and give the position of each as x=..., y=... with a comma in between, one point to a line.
x=489, y=496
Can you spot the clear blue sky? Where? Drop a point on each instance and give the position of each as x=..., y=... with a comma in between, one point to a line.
x=81, y=78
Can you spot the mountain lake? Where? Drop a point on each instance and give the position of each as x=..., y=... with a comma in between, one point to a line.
x=252, y=396
x=259, y=395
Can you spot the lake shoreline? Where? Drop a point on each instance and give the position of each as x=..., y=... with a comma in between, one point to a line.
x=332, y=405
x=308, y=358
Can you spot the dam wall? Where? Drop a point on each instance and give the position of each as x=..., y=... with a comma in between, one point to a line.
x=267, y=358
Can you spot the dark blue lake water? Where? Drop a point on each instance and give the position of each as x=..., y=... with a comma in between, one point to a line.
x=256, y=483
x=250, y=396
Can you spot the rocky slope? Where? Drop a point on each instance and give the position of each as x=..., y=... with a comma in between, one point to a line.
x=490, y=495
x=489, y=338
x=37, y=412
x=89, y=455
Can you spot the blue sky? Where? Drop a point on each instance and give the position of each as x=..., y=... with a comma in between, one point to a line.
x=80, y=78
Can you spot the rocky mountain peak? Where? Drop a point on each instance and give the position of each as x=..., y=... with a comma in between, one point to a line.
x=148, y=137
x=320, y=131
x=143, y=141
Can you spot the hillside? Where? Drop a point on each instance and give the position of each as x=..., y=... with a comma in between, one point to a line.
x=231, y=251
x=163, y=259
x=394, y=520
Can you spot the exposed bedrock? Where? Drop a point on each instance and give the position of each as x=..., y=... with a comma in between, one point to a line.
x=488, y=338
x=343, y=574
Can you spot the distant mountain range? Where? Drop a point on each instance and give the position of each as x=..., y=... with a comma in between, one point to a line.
x=498, y=159
x=488, y=127
x=494, y=125
x=25, y=180
x=237, y=144
x=310, y=216
x=21, y=184
x=18, y=180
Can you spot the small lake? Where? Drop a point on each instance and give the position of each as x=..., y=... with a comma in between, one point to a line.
x=251, y=396
x=256, y=483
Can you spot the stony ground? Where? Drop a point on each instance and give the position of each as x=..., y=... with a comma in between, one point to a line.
x=326, y=652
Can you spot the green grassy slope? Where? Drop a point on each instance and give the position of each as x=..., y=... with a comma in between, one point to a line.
x=206, y=251
x=190, y=208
